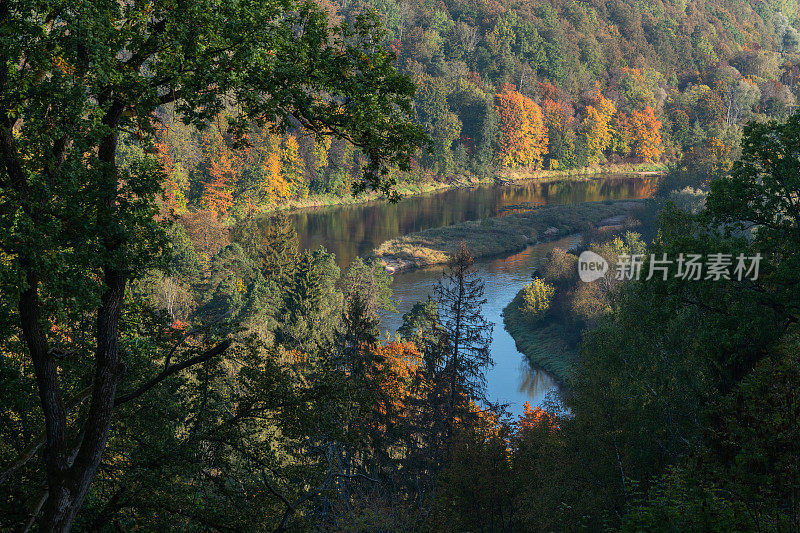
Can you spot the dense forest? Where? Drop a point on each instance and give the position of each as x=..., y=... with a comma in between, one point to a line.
x=172, y=359
x=511, y=88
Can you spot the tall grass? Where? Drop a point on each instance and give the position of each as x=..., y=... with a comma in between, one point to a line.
x=500, y=235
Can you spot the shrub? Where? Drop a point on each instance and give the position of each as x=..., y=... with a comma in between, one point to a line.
x=559, y=267
x=536, y=298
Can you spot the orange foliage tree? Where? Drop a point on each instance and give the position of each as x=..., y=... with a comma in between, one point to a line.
x=399, y=363
x=523, y=136
x=645, y=133
x=548, y=91
x=225, y=166
x=218, y=189
x=536, y=418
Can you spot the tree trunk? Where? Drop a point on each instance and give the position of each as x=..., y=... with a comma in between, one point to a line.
x=68, y=491
x=68, y=484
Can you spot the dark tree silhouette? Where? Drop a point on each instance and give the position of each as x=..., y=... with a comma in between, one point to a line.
x=459, y=294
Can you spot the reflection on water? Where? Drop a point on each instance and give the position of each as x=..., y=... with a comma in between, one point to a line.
x=534, y=383
x=351, y=231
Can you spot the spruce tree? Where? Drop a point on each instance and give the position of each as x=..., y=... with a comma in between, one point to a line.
x=459, y=294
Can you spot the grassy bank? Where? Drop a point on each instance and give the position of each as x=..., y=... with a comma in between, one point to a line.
x=407, y=189
x=643, y=169
x=542, y=343
x=498, y=235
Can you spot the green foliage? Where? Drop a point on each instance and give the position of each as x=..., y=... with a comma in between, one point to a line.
x=761, y=191
x=684, y=390
x=85, y=215
x=677, y=502
x=477, y=487
x=369, y=282
x=747, y=479
x=542, y=343
x=312, y=305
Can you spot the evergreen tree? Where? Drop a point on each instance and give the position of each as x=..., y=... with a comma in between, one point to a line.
x=421, y=326
x=459, y=297
x=312, y=305
x=489, y=132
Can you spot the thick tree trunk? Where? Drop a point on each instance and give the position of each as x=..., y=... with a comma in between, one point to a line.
x=55, y=457
x=68, y=491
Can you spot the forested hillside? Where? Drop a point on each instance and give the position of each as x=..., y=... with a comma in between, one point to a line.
x=204, y=372
x=518, y=86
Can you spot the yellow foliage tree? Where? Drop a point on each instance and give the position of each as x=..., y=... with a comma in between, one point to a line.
x=293, y=167
x=536, y=298
x=274, y=185
x=597, y=125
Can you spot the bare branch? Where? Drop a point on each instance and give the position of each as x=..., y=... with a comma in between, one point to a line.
x=172, y=369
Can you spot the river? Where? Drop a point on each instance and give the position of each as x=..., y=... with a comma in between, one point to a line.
x=354, y=230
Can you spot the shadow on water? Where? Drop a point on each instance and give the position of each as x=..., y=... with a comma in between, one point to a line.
x=352, y=231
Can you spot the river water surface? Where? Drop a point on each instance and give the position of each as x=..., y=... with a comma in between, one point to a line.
x=351, y=231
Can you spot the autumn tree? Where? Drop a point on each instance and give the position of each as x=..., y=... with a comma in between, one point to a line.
x=645, y=133
x=536, y=298
x=177, y=180
x=392, y=386
x=273, y=186
x=400, y=361
x=224, y=168
x=597, y=128
x=523, y=136
x=292, y=167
